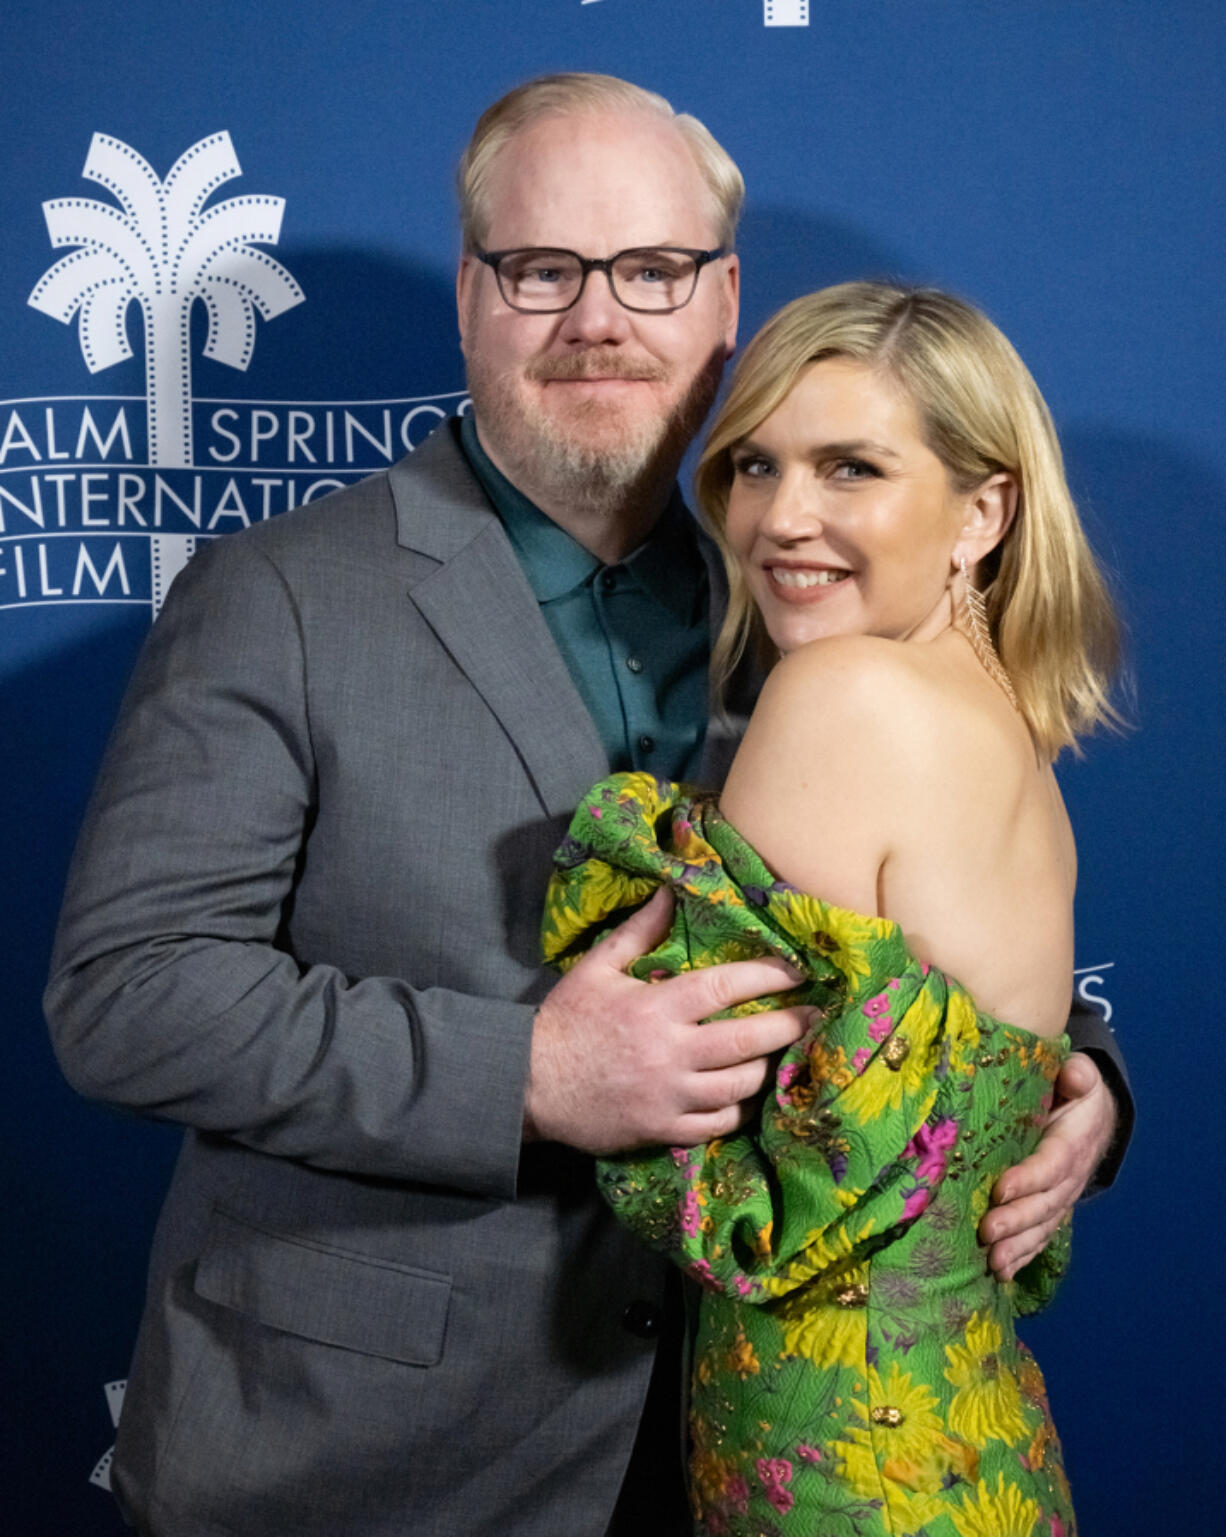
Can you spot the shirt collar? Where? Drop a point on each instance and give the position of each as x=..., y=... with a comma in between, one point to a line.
x=667, y=565
x=553, y=562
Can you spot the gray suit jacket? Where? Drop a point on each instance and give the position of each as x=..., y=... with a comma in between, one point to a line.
x=302, y=920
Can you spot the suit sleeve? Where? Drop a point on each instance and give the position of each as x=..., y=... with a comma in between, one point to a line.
x=1089, y=1032
x=173, y=992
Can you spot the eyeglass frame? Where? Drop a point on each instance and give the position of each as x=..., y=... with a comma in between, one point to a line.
x=603, y=264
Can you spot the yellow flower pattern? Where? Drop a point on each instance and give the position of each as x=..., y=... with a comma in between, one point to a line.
x=1002, y=1512
x=987, y=1404
x=819, y=1331
x=856, y=1371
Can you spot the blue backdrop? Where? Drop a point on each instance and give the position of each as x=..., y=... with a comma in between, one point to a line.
x=1059, y=163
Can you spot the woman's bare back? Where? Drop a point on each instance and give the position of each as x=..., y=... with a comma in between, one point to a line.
x=896, y=778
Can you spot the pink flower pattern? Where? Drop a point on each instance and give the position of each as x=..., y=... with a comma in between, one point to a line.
x=700, y=1271
x=774, y=1474
x=737, y=1494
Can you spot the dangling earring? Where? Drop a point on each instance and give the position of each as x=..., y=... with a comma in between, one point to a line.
x=974, y=626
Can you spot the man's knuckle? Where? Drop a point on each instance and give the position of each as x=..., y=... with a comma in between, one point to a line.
x=720, y=989
x=728, y=1120
x=743, y=1039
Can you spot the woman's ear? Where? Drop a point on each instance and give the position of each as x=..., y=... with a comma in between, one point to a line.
x=990, y=510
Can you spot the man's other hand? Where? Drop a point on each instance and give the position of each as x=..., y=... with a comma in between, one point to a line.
x=617, y=1063
x=1031, y=1200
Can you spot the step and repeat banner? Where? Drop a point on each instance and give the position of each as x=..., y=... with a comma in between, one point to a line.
x=226, y=289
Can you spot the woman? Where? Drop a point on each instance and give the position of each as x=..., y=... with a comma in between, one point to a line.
x=891, y=822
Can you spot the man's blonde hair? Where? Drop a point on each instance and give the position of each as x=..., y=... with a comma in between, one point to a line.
x=1049, y=610
x=564, y=95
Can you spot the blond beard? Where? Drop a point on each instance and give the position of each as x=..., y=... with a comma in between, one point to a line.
x=593, y=459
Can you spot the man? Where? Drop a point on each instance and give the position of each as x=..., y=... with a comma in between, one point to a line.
x=303, y=915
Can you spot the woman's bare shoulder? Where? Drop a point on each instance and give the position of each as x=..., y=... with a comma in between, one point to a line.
x=820, y=780
x=852, y=685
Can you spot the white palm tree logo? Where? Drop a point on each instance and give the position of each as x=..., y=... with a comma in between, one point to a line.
x=162, y=249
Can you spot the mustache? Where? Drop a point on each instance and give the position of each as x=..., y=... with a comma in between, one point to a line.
x=596, y=363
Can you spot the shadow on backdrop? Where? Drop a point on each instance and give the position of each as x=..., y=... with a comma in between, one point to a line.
x=85, y=1206
x=373, y=326
x=1147, y=822
x=786, y=252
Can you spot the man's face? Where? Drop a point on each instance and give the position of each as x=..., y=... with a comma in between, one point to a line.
x=578, y=403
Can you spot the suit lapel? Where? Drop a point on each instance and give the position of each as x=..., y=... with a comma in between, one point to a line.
x=478, y=603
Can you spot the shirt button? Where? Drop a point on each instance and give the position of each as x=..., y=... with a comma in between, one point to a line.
x=647, y=743
x=643, y=1319
x=634, y=663
x=608, y=580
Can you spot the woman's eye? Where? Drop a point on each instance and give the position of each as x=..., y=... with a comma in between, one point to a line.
x=753, y=465
x=855, y=469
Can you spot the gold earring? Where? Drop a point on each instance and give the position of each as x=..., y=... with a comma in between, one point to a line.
x=974, y=625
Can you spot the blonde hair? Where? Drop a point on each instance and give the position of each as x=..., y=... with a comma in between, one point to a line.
x=1049, y=611
x=561, y=95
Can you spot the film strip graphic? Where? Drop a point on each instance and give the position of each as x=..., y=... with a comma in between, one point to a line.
x=785, y=13
x=101, y=1476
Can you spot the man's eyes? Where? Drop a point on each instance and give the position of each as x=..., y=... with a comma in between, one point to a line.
x=652, y=269
x=542, y=274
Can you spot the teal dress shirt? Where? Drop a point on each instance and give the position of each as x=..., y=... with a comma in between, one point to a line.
x=635, y=635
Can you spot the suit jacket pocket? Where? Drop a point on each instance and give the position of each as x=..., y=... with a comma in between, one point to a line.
x=374, y=1306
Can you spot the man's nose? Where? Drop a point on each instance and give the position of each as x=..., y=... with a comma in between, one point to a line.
x=596, y=317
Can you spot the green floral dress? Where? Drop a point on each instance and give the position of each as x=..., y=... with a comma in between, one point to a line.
x=856, y=1371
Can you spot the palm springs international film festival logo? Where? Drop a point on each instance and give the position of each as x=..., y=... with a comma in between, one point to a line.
x=103, y=498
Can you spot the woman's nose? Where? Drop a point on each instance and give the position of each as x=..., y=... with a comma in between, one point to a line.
x=794, y=512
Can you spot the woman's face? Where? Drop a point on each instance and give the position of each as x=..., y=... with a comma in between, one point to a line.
x=843, y=520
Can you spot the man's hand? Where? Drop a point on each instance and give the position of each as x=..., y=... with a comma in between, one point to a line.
x=1032, y=1199
x=617, y=1063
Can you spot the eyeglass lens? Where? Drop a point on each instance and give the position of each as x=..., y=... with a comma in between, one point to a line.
x=642, y=280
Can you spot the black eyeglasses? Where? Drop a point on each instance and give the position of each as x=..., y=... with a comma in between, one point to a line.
x=649, y=279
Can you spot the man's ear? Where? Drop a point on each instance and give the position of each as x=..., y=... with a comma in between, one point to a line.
x=732, y=296
x=989, y=513
x=466, y=276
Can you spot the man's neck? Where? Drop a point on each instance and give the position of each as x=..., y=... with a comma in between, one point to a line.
x=610, y=522
x=614, y=527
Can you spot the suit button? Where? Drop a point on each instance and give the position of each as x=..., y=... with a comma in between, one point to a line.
x=643, y=1319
